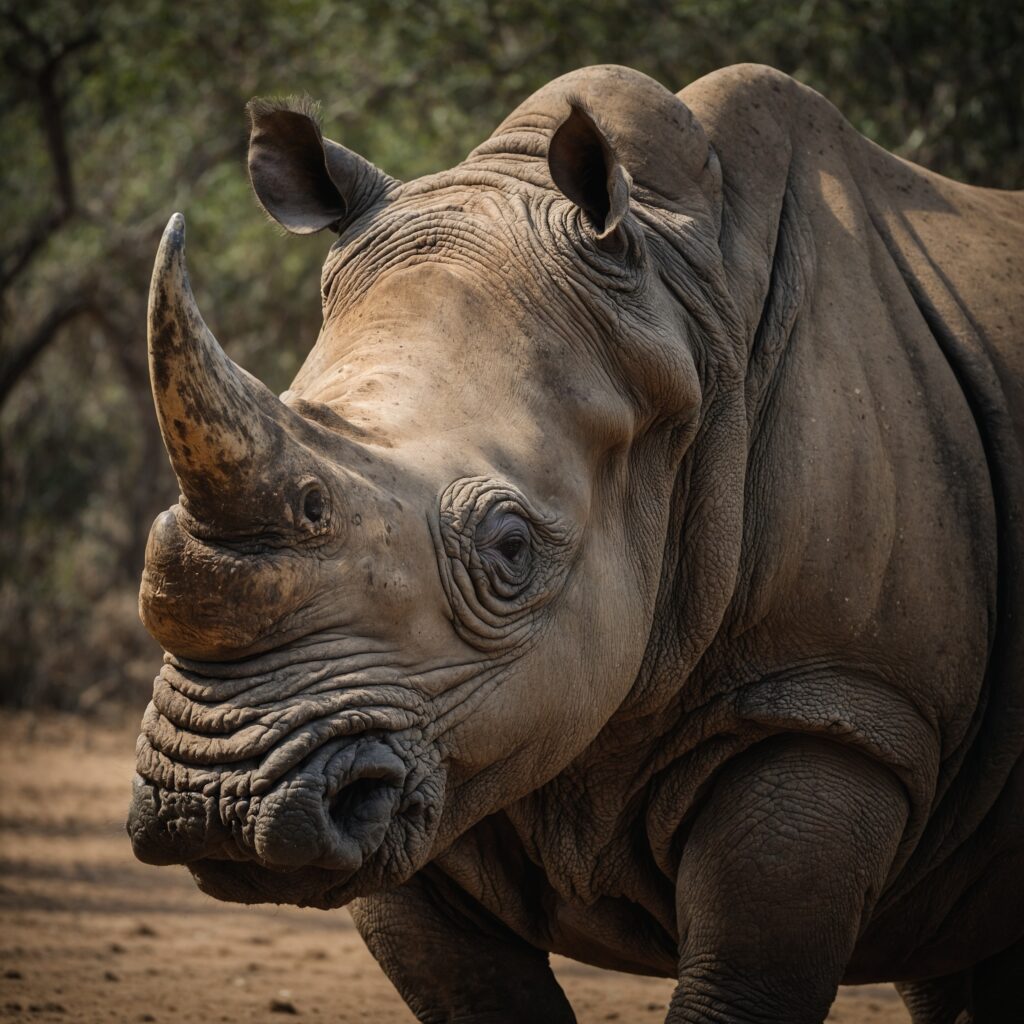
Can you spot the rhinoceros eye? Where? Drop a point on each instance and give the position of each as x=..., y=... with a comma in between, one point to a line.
x=503, y=544
x=312, y=508
x=511, y=548
x=502, y=558
x=313, y=504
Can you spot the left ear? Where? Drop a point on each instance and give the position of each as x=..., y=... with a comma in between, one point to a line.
x=584, y=167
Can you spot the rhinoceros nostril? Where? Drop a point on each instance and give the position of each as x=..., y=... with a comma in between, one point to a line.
x=358, y=801
x=334, y=810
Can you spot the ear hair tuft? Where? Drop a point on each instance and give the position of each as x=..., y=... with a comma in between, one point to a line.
x=260, y=106
x=578, y=105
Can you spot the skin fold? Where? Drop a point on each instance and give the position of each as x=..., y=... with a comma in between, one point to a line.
x=631, y=571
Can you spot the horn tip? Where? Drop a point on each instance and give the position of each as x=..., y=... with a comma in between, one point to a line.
x=169, y=268
x=174, y=233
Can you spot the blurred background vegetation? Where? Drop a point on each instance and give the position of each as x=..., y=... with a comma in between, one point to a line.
x=114, y=114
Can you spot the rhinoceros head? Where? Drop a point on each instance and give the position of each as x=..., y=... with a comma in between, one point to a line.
x=418, y=584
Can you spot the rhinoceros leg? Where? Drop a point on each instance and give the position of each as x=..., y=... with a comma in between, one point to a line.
x=784, y=861
x=936, y=1000
x=454, y=962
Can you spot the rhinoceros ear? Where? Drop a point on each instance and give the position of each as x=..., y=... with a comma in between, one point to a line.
x=584, y=167
x=304, y=181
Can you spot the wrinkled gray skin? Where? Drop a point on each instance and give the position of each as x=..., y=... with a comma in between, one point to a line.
x=632, y=571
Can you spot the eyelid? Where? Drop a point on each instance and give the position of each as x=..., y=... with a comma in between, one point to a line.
x=508, y=525
x=513, y=529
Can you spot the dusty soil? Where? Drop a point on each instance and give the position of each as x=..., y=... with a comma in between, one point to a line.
x=89, y=935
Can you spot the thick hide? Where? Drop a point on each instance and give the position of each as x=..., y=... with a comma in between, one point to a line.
x=634, y=570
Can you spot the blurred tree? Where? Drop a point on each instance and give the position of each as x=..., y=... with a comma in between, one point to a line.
x=115, y=114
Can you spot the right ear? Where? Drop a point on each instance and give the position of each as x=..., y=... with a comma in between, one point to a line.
x=304, y=181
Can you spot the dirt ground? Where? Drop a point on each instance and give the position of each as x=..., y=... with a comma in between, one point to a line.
x=88, y=934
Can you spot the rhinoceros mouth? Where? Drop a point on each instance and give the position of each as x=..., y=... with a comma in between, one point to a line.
x=248, y=882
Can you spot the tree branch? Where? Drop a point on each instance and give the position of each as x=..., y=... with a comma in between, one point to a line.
x=63, y=312
x=45, y=84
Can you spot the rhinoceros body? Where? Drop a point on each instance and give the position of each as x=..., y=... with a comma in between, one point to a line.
x=633, y=571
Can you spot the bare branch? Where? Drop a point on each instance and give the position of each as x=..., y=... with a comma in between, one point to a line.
x=18, y=256
x=18, y=23
x=63, y=312
x=45, y=84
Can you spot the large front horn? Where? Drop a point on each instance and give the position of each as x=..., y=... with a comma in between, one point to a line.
x=217, y=420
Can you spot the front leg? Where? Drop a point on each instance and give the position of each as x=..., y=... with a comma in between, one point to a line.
x=453, y=961
x=783, y=864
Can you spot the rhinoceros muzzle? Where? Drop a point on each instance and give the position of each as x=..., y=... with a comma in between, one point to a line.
x=332, y=812
x=311, y=759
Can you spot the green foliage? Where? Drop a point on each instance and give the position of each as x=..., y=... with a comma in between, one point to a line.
x=147, y=101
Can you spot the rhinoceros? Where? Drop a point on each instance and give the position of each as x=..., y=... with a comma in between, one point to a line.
x=633, y=571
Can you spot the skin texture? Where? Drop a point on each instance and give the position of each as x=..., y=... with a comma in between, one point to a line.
x=630, y=572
